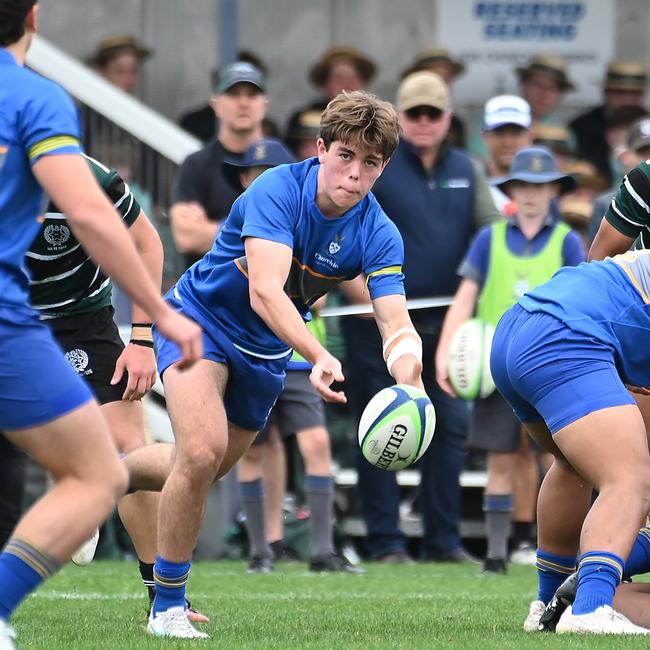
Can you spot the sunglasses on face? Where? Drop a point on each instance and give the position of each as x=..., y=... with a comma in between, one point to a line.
x=431, y=113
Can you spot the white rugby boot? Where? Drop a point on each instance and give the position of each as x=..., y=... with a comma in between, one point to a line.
x=7, y=636
x=531, y=624
x=604, y=620
x=84, y=555
x=174, y=623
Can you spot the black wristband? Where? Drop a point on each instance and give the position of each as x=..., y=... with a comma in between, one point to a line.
x=141, y=324
x=144, y=344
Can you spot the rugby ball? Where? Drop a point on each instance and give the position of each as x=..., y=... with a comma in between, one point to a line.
x=396, y=427
x=469, y=360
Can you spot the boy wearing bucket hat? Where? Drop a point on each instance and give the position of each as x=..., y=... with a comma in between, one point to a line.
x=504, y=261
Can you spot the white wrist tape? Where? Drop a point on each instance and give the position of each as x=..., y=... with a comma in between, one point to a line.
x=396, y=335
x=407, y=345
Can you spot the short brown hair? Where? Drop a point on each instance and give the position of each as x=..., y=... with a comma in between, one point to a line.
x=361, y=119
x=13, y=14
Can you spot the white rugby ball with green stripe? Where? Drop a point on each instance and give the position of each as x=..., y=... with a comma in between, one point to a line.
x=469, y=360
x=396, y=427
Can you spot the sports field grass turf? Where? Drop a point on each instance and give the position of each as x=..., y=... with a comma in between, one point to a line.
x=422, y=606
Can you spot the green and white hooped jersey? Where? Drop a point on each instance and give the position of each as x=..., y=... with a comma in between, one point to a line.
x=629, y=211
x=64, y=280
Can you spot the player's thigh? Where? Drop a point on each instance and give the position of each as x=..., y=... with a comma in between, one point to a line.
x=126, y=424
x=643, y=402
x=77, y=444
x=608, y=446
x=195, y=405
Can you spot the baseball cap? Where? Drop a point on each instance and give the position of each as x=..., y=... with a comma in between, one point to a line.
x=506, y=109
x=423, y=89
x=639, y=136
x=239, y=72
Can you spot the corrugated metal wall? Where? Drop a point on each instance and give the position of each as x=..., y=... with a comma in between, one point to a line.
x=288, y=34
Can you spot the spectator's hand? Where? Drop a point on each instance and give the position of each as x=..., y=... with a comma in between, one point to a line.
x=325, y=372
x=139, y=362
x=190, y=213
x=442, y=375
x=184, y=332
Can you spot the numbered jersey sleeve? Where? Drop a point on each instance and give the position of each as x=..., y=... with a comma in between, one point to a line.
x=48, y=123
x=384, y=259
x=629, y=211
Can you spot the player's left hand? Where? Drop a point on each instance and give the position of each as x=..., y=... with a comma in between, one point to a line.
x=408, y=370
x=139, y=363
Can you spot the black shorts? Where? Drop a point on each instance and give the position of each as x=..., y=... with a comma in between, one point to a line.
x=92, y=345
x=299, y=407
x=494, y=426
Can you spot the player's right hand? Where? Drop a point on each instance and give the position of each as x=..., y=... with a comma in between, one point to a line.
x=184, y=332
x=327, y=370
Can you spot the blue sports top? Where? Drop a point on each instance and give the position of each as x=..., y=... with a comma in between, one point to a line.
x=608, y=301
x=280, y=206
x=37, y=118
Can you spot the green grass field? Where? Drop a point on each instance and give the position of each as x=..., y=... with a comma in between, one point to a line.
x=422, y=606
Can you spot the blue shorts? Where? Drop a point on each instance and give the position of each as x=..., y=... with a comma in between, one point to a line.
x=546, y=371
x=37, y=384
x=254, y=384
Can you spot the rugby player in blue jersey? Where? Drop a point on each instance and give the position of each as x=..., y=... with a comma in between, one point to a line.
x=45, y=408
x=297, y=232
x=564, y=358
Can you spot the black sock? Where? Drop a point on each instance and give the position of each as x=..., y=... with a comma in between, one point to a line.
x=522, y=531
x=146, y=571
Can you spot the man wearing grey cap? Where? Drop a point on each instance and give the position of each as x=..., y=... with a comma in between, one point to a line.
x=437, y=197
x=201, y=195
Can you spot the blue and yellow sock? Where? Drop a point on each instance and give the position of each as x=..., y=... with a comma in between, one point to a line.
x=170, y=579
x=22, y=568
x=552, y=571
x=599, y=573
x=639, y=560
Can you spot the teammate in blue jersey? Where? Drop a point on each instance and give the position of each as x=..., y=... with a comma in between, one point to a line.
x=297, y=232
x=45, y=408
x=564, y=358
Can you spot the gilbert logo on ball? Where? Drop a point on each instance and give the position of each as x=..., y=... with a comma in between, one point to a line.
x=396, y=427
x=469, y=360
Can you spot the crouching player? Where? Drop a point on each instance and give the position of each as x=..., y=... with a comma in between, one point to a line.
x=297, y=232
x=563, y=358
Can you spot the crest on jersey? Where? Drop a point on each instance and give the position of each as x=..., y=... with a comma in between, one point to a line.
x=78, y=360
x=56, y=235
x=335, y=246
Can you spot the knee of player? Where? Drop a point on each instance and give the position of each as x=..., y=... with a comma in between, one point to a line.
x=314, y=442
x=200, y=462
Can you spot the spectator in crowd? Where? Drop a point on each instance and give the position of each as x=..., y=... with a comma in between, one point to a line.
x=617, y=130
x=119, y=60
x=505, y=260
x=340, y=68
x=202, y=122
x=544, y=82
x=506, y=130
x=588, y=183
x=576, y=212
x=440, y=61
x=637, y=150
x=555, y=137
x=625, y=84
x=201, y=196
x=302, y=134
x=437, y=196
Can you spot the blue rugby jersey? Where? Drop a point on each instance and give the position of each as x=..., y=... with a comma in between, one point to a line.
x=280, y=206
x=37, y=118
x=607, y=301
